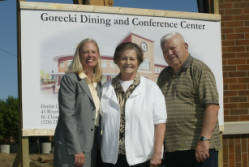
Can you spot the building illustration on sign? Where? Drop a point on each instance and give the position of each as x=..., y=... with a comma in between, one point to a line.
x=148, y=68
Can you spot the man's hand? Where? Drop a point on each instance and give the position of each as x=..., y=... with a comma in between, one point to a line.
x=155, y=160
x=202, y=151
x=79, y=159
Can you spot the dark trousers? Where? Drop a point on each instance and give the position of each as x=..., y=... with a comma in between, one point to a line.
x=187, y=159
x=122, y=162
x=95, y=155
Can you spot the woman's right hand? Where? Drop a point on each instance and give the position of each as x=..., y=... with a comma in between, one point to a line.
x=156, y=160
x=79, y=159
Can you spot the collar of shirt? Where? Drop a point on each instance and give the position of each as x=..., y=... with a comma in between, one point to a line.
x=117, y=86
x=184, y=66
x=83, y=75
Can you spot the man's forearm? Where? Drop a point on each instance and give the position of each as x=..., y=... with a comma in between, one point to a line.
x=210, y=120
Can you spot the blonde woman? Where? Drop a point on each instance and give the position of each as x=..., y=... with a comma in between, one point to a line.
x=77, y=130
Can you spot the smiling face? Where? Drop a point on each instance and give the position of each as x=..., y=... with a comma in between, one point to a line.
x=128, y=64
x=89, y=56
x=175, y=52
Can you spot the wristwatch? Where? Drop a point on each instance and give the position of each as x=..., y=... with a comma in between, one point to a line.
x=203, y=138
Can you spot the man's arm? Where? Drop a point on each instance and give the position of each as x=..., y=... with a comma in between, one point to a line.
x=209, y=123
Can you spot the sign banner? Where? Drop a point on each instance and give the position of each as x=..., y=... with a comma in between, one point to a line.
x=49, y=39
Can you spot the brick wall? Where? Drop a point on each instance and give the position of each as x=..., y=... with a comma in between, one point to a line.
x=235, y=151
x=235, y=47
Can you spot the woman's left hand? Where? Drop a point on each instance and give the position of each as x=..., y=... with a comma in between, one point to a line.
x=156, y=160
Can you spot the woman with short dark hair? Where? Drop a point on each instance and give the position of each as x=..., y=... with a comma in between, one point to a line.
x=133, y=114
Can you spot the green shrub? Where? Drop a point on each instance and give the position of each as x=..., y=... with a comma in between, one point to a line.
x=9, y=120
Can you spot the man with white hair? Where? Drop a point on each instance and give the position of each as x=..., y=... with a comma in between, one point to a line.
x=192, y=134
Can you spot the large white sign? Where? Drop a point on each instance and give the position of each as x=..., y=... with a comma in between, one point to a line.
x=49, y=39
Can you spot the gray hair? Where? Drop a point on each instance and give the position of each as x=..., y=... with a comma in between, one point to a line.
x=170, y=35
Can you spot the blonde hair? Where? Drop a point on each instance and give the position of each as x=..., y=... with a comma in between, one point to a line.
x=76, y=65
